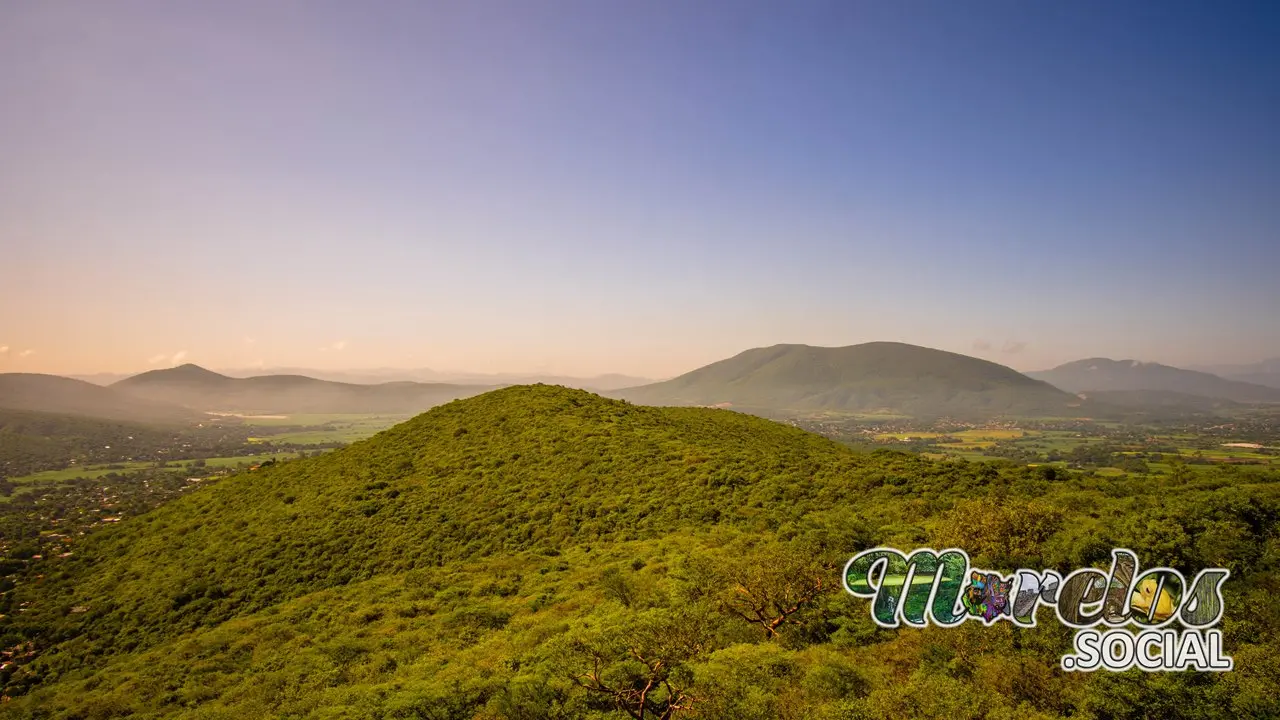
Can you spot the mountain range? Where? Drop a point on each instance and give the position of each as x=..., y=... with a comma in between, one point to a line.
x=67, y=396
x=192, y=386
x=1104, y=374
x=378, y=376
x=1266, y=372
x=884, y=378
x=877, y=377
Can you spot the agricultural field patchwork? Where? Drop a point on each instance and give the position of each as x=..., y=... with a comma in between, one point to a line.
x=321, y=429
x=1104, y=448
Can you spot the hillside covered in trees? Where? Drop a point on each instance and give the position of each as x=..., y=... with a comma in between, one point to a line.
x=538, y=552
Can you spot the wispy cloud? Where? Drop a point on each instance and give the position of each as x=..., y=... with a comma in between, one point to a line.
x=164, y=358
x=26, y=353
x=4, y=349
x=981, y=345
x=338, y=346
x=1013, y=348
x=248, y=340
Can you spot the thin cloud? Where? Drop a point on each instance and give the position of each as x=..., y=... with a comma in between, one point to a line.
x=338, y=346
x=248, y=340
x=26, y=353
x=4, y=349
x=1013, y=348
x=166, y=359
x=981, y=345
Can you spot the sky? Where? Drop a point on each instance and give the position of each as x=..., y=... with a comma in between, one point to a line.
x=634, y=187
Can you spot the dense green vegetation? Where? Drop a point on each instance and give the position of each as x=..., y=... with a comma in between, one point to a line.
x=873, y=377
x=537, y=552
x=31, y=442
x=45, y=517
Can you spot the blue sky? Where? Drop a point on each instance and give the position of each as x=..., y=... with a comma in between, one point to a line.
x=588, y=187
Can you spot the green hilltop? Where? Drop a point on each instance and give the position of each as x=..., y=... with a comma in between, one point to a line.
x=540, y=552
x=524, y=468
x=873, y=377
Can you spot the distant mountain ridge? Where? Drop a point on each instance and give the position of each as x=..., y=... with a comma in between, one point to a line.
x=378, y=376
x=872, y=377
x=1105, y=374
x=878, y=377
x=1265, y=372
x=60, y=395
x=194, y=387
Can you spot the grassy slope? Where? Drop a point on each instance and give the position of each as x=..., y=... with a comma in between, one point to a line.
x=455, y=565
x=514, y=469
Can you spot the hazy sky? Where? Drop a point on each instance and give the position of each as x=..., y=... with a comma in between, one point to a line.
x=638, y=187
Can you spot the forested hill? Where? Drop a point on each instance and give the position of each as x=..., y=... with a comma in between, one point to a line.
x=510, y=555
x=195, y=387
x=883, y=377
x=525, y=468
